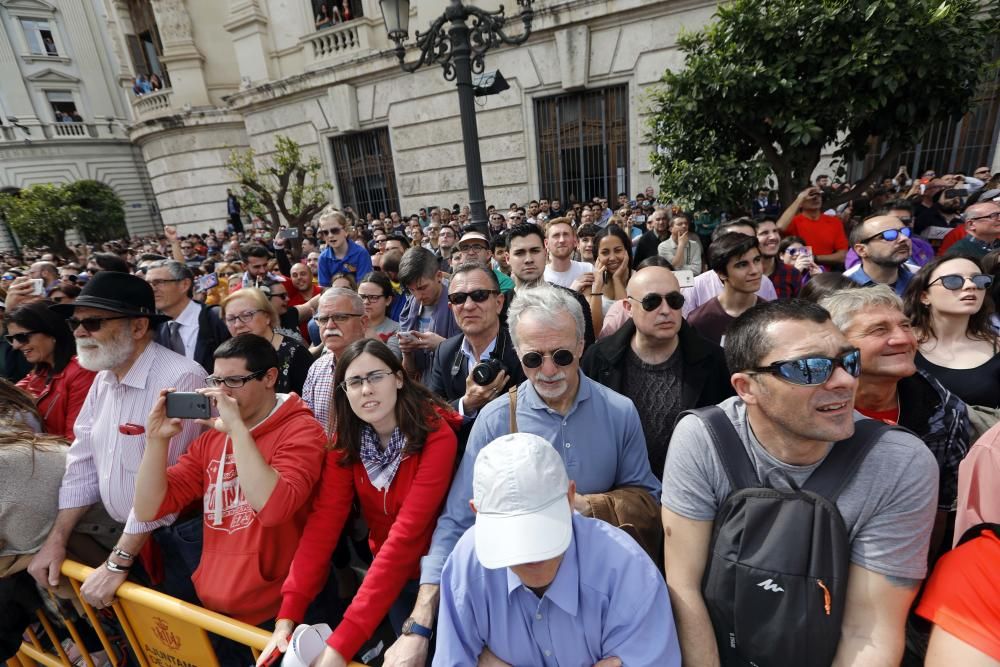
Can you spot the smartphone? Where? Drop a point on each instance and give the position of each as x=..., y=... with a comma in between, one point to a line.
x=207, y=282
x=807, y=251
x=188, y=405
x=407, y=336
x=37, y=287
x=685, y=278
x=638, y=218
x=954, y=193
x=288, y=233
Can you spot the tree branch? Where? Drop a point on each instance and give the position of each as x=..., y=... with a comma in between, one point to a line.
x=886, y=161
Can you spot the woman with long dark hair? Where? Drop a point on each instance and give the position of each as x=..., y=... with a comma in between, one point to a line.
x=376, y=291
x=612, y=270
x=948, y=305
x=394, y=450
x=57, y=381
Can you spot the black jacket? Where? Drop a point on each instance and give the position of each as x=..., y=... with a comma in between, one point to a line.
x=212, y=332
x=648, y=246
x=705, y=376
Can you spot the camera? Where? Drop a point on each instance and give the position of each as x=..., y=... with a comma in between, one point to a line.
x=485, y=372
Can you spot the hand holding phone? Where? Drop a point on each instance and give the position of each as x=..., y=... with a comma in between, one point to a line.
x=188, y=405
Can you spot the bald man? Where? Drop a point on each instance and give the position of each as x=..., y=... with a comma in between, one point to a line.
x=883, y=245
x=658, y=360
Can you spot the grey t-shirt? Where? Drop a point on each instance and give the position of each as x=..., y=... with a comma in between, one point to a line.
x=888, y=508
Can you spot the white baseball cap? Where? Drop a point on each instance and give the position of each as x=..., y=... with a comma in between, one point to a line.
x=519, y=486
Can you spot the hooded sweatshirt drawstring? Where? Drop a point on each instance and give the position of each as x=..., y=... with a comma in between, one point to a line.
x=220, y=478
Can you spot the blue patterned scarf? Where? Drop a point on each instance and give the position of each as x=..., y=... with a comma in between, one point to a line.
x=381, y=464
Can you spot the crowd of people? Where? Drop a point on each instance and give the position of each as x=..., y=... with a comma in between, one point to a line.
x=601, y=434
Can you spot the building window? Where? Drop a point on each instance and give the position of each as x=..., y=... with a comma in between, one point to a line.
x=63, y=106
x=366, y=177
x=145, y=47
x=328, y=13
x=38, y=34
x=583, y=144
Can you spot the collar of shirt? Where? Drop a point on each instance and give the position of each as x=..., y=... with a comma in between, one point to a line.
x=564, y=592
x=138, y=373
x=471, y=356
x=189, y=316
x=536, y=402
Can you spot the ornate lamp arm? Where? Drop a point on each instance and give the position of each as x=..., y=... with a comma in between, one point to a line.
x=487, y=31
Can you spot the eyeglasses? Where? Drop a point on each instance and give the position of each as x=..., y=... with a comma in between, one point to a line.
x=479, y=296
x=157, y=284
x=21, y=338
x=813, y=371
x=890, y=234
x=332, y=230
x=370, y=298
x=243, y=317
x=995, y=215
x=92, y=324
x=227, y=275
x=956, y=281
x=559, y=357
x=339, y=318
x=280, y=295
x=373, y=379
x=185, y=247
x=651, y=302
x=233, y=381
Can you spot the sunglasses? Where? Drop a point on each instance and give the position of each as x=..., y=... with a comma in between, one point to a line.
x=651, y=302
x=812, y=371
x=559, y=357
x=335, y=230
x=955, y=281
x=890, y=234
x=479, y=296
x=21, y=338
x=91, y=324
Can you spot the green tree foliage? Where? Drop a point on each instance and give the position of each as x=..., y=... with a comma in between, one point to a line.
x=41, y=214
x=284, y=186
x=775, y=81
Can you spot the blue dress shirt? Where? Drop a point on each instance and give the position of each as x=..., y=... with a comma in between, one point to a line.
x=356, y=262
x=608, y=599
x=600, y=440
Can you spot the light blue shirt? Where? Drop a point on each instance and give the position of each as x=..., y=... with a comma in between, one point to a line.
x=600, y=440
x=608, y=599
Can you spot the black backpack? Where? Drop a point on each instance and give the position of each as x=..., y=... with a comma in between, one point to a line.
x=776, y=581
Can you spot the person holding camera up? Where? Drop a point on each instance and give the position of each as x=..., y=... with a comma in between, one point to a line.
x=479, y=364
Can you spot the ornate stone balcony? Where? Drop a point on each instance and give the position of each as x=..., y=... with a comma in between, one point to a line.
x=69, y=131
x=343, y=41
x=154, y=104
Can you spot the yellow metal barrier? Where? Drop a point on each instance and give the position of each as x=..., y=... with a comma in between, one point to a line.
x=162, y=631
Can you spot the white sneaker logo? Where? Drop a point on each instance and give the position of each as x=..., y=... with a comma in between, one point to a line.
x=769, y=585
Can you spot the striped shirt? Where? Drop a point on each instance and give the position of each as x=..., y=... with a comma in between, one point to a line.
x=317, y=391
x=103, y=462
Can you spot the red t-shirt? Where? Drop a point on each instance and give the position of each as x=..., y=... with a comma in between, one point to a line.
x=963, y=594
x=825, y=234
x=951, y=238
x=887, y=416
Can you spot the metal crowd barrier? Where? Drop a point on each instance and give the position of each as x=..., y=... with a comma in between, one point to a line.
x=160, y=630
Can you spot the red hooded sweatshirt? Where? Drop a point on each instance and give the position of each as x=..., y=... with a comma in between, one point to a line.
x=401, y=520
x=246, y=554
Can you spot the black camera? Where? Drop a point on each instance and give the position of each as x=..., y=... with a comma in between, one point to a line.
x=485, y=372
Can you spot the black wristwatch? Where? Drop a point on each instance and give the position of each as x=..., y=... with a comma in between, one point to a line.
x=411, y=627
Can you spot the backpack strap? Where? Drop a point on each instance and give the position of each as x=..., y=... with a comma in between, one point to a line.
x=512, y=397
x=977, y=530
x=844, y=459
x=728, y=445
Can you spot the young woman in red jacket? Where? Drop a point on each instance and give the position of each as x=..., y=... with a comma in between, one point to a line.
x=57, y=381
x=394, y=449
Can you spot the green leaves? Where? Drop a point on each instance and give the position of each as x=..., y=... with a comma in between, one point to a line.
x=41, y=214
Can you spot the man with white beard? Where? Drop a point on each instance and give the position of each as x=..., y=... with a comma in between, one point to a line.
x=342, y=320
x=114, y=321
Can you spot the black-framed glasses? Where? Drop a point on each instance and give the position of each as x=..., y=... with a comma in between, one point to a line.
x=234, y=381
x=373, y=379
x=339, y=318
x=559, y=358
x=890, y=234
x=158, y=283
x=956, y=281
x=995, y=215
x=21, y=338
x=92, y=324
x=280, y=295
x=651, y=302
x=478, y=295
x=243, y=317
x=813, y=371
x=371, y=298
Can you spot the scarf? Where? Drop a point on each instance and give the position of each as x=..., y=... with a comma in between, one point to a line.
x=381, y=464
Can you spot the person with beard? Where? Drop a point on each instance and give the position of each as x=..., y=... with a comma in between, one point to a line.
x=883, y=244
x=944, y=211
x=562, y=269
x=113, y=321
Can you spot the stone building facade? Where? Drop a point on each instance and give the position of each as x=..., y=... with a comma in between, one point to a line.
x=64, y=114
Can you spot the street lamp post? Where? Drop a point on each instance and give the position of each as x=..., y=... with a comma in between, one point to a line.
x=460, y=50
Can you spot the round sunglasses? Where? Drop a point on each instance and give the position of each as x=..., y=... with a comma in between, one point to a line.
x=651, y=302
x=955, y=281
x=812, y=371
x=559, y=357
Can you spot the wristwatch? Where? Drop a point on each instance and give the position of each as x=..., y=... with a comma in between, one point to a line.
x=411, y=627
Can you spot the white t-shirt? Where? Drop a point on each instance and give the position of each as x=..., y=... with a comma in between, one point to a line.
x=566, y=278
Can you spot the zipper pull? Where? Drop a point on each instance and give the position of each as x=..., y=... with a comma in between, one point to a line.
x=827, y=600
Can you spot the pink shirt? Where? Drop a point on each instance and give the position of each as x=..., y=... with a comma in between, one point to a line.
x=979, y=483
x=708, y=285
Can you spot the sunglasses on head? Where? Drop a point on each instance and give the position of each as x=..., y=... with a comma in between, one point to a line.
x=91, y=324
x=812, y=371
x=890, y=234
x=955, y=281
x=21, y=338
x=535, y=359
x=651, y=302
x=479, y=296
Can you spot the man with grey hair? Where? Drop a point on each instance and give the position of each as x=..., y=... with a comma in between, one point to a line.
x=342, y=320
x=193, y=330
x=892, y=389
x=596, y=432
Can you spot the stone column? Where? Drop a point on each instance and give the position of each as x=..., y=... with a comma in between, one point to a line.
x=247, y=23
x=180, y=54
